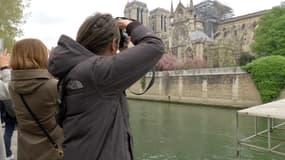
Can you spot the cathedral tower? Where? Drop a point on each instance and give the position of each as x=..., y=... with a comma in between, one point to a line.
x=159, y=20
x=138, y=11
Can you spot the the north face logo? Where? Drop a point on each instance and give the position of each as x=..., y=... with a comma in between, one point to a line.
x=74, y=85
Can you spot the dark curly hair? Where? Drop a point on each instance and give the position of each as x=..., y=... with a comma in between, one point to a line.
x=97, y=32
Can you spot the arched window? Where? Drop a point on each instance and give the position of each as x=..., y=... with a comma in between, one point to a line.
x=138, y=14
x=142, y=15
x=165, y=29
x=189, y=53
x=154, y=23
x=243, y=26
x=161, y=22
x=181, y=34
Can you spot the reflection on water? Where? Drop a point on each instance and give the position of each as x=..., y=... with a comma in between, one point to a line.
x=186, y=132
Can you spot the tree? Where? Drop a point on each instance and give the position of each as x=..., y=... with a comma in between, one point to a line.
x=245, y=58
x=270, y=33
x=11, y=17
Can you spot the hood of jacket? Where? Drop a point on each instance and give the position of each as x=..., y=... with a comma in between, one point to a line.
x=66, y=55
x=27, y=81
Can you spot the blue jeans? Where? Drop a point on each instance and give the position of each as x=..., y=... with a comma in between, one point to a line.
x=10, y=124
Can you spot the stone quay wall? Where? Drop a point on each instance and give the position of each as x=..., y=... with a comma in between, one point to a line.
x=230, y=87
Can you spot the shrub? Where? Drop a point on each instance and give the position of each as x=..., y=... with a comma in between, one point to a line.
x=245, y=58
x=268, y=73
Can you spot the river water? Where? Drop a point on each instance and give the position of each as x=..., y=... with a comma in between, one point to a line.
x=165, y=131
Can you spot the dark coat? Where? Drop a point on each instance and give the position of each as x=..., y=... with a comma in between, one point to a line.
x=97, y=118
x=40, y=91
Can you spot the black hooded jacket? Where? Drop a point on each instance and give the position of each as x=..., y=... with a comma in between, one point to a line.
x=97, y=119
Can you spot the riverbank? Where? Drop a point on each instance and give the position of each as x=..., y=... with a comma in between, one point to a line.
x=229, y=87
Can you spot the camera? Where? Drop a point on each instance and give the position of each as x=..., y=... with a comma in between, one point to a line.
x=124, y=39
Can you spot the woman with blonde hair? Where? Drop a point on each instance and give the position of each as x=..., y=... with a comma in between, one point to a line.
x=34, y=91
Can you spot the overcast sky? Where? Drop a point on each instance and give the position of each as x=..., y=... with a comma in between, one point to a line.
x=50, y=18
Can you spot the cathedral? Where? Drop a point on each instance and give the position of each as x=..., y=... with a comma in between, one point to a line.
x=206, y=32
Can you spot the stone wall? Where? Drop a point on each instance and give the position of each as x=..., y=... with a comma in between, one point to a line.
x=215, y=86
x=239, y=31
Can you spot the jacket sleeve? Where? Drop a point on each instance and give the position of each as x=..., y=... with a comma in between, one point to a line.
x=116, y=73
x=5, y=78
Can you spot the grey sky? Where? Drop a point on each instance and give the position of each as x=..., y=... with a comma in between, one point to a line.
x=51, y=18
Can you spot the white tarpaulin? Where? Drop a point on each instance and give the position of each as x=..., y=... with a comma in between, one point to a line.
x=274, y=109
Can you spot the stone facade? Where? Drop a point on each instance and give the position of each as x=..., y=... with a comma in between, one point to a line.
x=203, y=30
x=238, y=31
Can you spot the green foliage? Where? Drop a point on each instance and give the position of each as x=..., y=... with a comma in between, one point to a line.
x=268, y=74
x=270, y=33
x=11, y=17
x=245, y=58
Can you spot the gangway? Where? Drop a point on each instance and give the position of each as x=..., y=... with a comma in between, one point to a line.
x=274, y=114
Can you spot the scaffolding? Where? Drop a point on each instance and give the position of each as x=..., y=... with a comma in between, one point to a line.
x=274, y=114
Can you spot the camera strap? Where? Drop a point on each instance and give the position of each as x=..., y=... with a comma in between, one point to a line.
x=150, y=84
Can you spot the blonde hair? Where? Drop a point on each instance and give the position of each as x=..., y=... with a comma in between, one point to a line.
x=29, y=54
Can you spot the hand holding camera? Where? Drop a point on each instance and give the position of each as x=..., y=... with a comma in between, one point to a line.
x=123, y=22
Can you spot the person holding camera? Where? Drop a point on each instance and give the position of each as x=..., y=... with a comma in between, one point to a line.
x=34, y=91
x=96, y=124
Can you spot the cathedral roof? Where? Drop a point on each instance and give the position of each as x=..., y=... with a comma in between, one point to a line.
x=199, y=36
x=246, y=16
x=180, y=5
